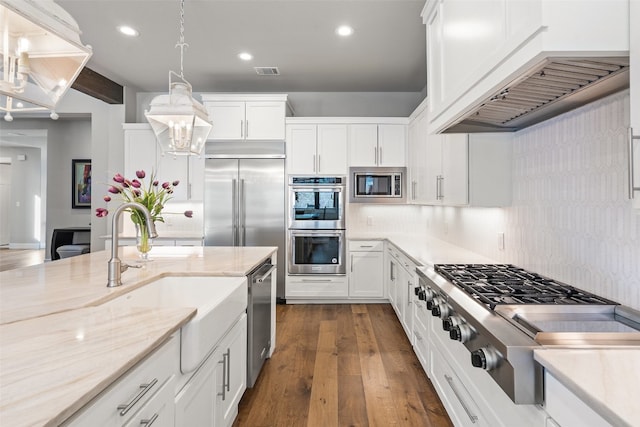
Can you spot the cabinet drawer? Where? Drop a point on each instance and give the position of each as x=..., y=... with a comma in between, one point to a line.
x=330, y=287
x=159, y=410
x=366, y=245
x=118, y=403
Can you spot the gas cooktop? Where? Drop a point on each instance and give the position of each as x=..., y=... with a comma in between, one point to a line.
x=498, y=284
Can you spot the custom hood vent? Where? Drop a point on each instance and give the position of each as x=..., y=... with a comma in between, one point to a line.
x=555, y=86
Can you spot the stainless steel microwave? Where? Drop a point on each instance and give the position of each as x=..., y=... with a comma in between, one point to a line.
x=377, y=185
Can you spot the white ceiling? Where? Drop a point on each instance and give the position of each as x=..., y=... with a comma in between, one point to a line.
x=386, y=53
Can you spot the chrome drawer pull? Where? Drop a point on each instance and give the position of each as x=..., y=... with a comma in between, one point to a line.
x=126, y=407
x=631, y=154
x=470, y=414
x=150, y=421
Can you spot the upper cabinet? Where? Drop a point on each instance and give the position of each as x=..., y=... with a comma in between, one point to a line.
x=501, y=65
x=377, y=145
x=246, y=117
x=141, y=152
x=458, y=169
x=314, y=149
x=634, y=152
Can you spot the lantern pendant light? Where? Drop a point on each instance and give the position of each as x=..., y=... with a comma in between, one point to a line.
x=40, y=55
x=180, y=123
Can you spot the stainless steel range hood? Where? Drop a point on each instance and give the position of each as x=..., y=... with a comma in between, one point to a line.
x=552, y=87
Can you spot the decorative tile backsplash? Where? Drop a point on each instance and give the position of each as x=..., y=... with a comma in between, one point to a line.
x=570, y=218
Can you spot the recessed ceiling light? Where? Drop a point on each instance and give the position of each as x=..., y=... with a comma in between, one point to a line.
x=344, y=30
x=245, y=56
x=128, y=31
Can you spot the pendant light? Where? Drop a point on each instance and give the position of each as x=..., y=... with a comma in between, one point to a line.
x=181, y=123
x=41, y=55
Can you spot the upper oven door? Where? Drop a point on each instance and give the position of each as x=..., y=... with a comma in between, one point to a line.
x=316, y=207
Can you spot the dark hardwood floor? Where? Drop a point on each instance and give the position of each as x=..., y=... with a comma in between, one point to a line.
x=341, y=365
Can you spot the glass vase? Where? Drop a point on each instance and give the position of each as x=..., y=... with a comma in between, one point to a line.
x=144, y=242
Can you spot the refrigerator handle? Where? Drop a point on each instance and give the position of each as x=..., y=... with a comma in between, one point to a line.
x=242, y=205
x=234, y=212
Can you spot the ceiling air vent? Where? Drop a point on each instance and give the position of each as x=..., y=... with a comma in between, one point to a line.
x=267, y=71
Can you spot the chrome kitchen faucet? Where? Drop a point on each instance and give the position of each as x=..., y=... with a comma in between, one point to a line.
x=115, y=266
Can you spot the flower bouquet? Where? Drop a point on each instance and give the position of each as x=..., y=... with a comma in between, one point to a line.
x=151, y=195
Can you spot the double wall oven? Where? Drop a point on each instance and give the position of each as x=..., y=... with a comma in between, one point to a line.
x=316, y=225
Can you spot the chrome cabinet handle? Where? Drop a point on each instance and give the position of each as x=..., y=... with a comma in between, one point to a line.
x=241, y=128
x=409, y=293
x=319, y=168
x=228, y=369
x=380, y=156
x=243, y=214
x=375, y=155
x=144, y=389
x=470, y=414
x=317, y=281
x=224, y=374
x=246, y=128
x=234, y=211
x=352, y=263
x=314, y=163
x=437, y=187
x=366, y=246
x=413, y=189
x=441, y=187
x=265, y=275
x=418, y=336
x=632, y=187
x=148, y=422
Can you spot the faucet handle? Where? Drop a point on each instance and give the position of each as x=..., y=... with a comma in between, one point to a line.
x=124, y=266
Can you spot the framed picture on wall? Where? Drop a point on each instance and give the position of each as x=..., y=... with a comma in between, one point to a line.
x=81, y=184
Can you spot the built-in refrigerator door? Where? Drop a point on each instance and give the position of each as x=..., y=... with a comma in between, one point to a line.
x=261, y=191
x=221, y=202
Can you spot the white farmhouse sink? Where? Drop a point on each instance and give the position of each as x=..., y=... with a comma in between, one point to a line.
x=219, y=300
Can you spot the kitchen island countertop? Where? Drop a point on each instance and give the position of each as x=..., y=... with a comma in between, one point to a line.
x=49, y=370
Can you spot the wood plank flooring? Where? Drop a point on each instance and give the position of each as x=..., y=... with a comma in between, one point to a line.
x=341, y=365
x=17, y=258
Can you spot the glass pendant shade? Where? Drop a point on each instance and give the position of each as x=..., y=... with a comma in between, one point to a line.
x=180, y=122
x=41, y=54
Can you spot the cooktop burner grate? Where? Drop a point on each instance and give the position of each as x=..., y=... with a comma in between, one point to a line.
x=495, y=284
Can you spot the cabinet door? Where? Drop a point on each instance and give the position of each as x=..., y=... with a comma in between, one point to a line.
x=231, y=381
x=391, y=280
x=174, y=168
x=301, y=149
x=332, y=150
x=194, y=404
x=140, y=148
x=363, y=145
x=455, y=170
x=227, y=118
x=392, y=140
x=264, y=120
x=433, y=168
x=418, y=157
x=366, y=276
x=634, y=70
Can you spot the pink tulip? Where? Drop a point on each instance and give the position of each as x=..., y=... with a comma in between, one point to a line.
x=136, y=192
x=107, y=198
x=135, y=183
x=165, y=185
x=170, y=191
x=140, y=174
x=188, y=214
x=175, y=183
x=101, y=212
x=114, y=190
x=155, y=183
x=118, y=178
x=126, y=183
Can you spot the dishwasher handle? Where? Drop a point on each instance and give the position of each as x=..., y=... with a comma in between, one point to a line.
x=259, y=276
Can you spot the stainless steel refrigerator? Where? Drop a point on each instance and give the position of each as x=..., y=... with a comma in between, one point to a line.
x=244, y=200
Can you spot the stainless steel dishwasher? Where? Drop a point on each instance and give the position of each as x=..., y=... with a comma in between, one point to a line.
x=259, y=319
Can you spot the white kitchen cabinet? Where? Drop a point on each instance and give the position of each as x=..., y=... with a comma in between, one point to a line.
x=246, y=117
x=478, y=47
x=418, y=156
x=468, y=170
x=634, y=58
x=316, y=288
x=159, y=411
x=211, y=396
x=567, y=409
x=377, y=145
x=141, y=152
x=402, y=281
x=317, y=149
x=366, y=269
x=144, y=390
x=392, y=277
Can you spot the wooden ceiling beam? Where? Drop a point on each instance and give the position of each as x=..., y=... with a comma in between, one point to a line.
x=98, y=86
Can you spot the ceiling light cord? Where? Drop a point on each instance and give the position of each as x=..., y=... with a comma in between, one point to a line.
x=181, y=44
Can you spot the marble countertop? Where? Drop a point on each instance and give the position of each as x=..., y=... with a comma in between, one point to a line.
x=54, y=332
x=606, y=379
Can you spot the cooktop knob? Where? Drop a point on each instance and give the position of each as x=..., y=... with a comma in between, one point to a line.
x=416, y=290
x=486, y=358
x=450, y=322
x=461, y=332
x=429, y=294
x=422, y=296
x=431, y=303
x=441, y=310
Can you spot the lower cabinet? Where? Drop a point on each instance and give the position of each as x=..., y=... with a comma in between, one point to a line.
x=316, y=287
x=212, y=394
x=566, y=409
x=366, y=269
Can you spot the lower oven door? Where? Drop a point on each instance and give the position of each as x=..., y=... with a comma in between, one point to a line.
x=316, y=252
